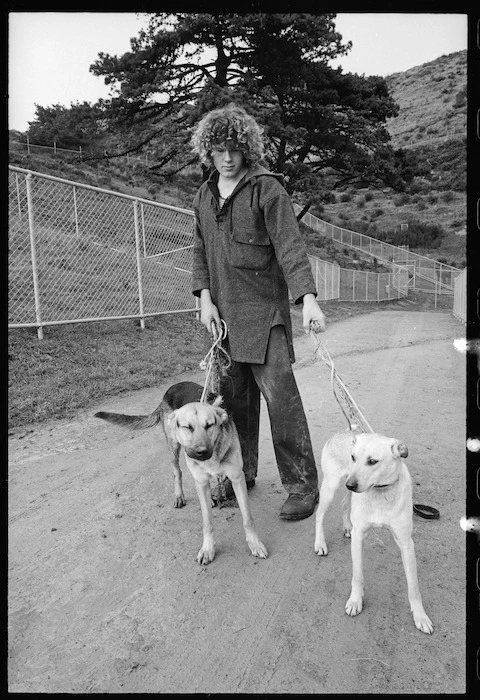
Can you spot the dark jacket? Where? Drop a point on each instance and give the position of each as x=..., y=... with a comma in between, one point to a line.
x=246, y=253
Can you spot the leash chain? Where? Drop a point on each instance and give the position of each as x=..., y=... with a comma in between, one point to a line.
x=215, y=362
x=355, y=418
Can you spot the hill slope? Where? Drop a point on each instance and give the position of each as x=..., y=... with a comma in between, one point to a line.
x=431, y=119
x=432, y=100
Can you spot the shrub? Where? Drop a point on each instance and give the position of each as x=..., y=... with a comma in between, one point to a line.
x=368, y=196
x=418, y=235
x=417, y=185
x=345, y=197
x=448, y=196
x=400, y=199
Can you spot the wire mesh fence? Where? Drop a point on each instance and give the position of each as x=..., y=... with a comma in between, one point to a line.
x=81, y=253
x=335, y=282
x=427, y=274
x=460, y=297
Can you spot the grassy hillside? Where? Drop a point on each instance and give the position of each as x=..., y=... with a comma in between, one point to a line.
x=175, y=191
x=432, y=100
x=431, y=120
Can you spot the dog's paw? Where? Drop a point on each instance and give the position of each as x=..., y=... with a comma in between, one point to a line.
x=206, y=555
x=258, y=549
x=321, y=548
x=179, y=501
x=423, y=623
x=354, y=606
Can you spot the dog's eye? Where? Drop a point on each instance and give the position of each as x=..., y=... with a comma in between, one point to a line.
x=209, y=425
x=353, y=458
x=187, y=427
x=371, y=461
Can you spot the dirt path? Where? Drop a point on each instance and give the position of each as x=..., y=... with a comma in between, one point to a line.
x=105, y=595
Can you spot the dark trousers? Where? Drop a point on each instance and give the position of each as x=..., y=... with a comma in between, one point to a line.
x=274, y=379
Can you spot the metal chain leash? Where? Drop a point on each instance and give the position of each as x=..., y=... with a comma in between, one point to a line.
x=355, y=418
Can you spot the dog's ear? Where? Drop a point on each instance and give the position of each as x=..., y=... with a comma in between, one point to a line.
x=399, y=449
x=222, y=415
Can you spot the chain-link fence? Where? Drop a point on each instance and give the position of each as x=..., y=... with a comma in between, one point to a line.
x=81, y=253
x=426, y=274
x=335, y=282
x=460, y=297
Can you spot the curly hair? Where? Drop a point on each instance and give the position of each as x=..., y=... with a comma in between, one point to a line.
x=228, y=124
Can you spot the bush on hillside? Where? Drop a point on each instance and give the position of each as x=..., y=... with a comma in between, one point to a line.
x=417, y=235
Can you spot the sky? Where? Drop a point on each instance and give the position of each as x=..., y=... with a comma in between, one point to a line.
x=50, y=53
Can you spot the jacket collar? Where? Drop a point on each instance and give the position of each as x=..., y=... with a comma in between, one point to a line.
x=251, y=176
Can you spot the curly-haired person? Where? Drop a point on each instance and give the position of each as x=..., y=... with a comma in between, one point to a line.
x=248, y=255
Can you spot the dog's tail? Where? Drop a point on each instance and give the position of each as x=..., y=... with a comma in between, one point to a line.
x=134, y=422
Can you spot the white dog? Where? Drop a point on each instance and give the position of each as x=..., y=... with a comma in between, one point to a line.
x=380, y=493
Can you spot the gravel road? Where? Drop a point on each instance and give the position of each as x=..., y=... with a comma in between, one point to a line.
x=105, y=595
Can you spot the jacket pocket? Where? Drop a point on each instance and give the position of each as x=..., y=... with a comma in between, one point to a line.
x=251, y=249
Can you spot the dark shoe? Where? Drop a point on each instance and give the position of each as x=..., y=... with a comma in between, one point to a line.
x=299, y=506
x=223, y=491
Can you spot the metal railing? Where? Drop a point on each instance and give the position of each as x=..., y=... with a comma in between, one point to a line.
x=81, y=253
x=335, y=282
x=32, y=148
x=460, y=297
x=427, y=274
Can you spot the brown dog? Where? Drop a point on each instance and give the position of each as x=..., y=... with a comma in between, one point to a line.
x=210, y=442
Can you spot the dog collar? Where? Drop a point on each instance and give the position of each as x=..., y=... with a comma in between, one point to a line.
x=384, y=486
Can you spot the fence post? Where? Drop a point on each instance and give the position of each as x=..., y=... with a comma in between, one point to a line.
x=55, y=148
x=28, y=145
x=18, y=196
x=143, y=231
x=36, y=286
x=75, y=208
x=139, y=263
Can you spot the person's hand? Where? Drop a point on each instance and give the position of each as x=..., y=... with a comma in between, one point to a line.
x=208, y=311
x=313, y=316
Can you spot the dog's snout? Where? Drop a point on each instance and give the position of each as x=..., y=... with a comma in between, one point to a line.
x=351, y=484
x=200, y=453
